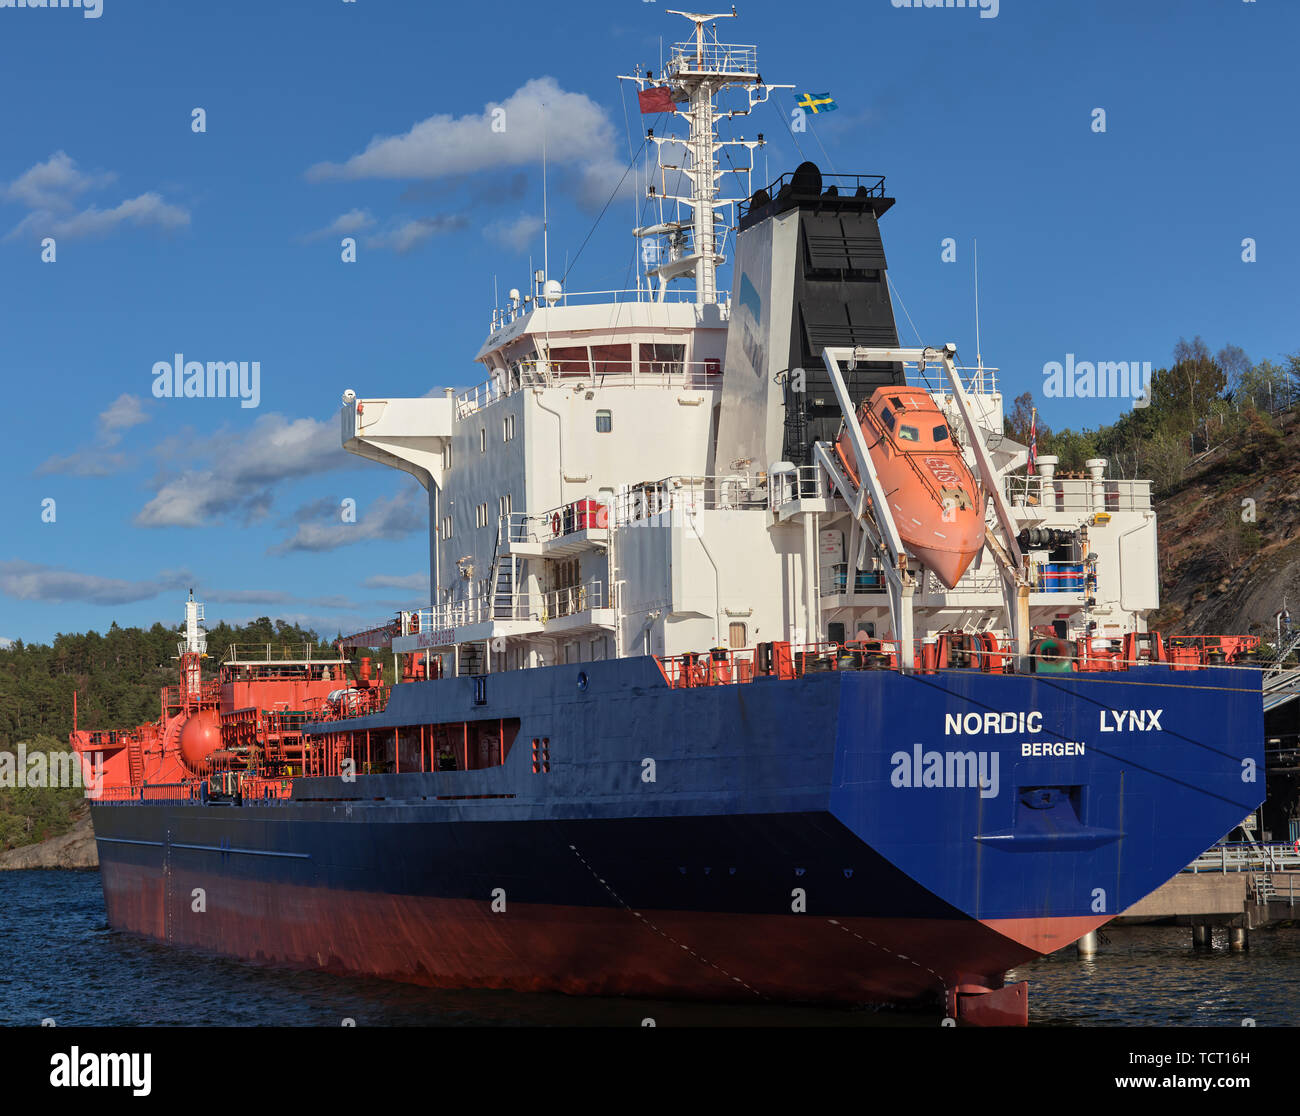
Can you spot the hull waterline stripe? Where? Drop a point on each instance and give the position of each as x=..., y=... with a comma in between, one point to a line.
x=205, y=848
x=246, y=852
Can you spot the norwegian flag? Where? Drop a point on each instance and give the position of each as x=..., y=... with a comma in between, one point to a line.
x=1033, y=442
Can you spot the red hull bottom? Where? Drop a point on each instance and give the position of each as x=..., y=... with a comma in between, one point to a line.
x=449, y=943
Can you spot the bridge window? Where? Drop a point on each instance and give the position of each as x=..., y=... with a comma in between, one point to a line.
x=569, y=361
x=611, y=359
x=662, y=359
x=604, y=422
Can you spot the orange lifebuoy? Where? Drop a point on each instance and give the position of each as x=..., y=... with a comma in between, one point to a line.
x=556, y=523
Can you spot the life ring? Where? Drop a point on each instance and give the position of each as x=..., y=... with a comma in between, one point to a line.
x=556, y=524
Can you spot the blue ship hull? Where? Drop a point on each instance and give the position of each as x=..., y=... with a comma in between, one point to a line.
x=855, y=836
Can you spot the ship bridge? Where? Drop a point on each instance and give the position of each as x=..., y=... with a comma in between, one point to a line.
x=665, y=469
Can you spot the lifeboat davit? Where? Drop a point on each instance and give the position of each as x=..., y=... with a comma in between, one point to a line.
x=937, y=506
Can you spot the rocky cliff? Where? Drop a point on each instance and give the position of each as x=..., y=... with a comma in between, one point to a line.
x=74, y=849
x=1230, y=535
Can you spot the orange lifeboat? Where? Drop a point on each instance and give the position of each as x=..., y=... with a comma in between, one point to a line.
x=937, y=506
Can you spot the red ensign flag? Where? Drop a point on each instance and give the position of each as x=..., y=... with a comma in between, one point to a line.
x=657, y=99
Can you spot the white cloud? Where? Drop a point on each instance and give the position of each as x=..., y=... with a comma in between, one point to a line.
x=415, y=581
x=29, y=581
x=247, y=596
x=515, y=233
x=392, y=518
x=48, y=190
x=404, y=236
x=147, y=209
x=52, y=184
x=5, y=643
x=123, y=413
x=83, y=463
x=241, y=470
x=353, y=221
x=577, y=130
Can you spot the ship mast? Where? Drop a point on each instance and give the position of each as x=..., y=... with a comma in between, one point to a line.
x=696, y=72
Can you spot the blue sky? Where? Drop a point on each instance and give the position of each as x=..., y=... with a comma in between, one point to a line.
x=225, y=245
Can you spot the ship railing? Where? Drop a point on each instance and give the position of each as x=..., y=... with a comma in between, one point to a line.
x=590, y=371
x=265, y=787
x=1073, y=495
x=478, y=609
x=573, y=600
x=802, y=482
x=714, y=58
x=503, y=315
x=272, y=652
x=722, y=666
x=835, y=581
x=323, y=670
x=846, y=185
x=457, y=614
x=1246, y=856
x=209, y=691
x=151, y=792
x=584, y=514
x=638, y=503
x=521, y=606
x=977, y=380
x=483, y=395
x=1066, y=577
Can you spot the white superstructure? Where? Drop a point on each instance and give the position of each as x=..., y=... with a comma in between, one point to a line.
x=579, y=507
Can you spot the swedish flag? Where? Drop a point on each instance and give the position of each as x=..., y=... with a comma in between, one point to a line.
x=818, y=102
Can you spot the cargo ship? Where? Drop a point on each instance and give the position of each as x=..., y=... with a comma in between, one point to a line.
x=754, y=666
